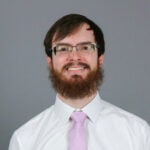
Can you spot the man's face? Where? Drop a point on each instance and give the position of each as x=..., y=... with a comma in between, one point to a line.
x=75, y=68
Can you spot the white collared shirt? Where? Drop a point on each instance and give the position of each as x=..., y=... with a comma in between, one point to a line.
x=108, y=127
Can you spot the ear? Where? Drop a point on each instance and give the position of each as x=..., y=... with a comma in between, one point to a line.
x=49, y=62
x=101, y=60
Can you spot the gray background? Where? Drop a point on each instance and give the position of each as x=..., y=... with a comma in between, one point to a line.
x=24, y=86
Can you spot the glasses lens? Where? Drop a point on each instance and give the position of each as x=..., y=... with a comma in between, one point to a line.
x=85, y=47
x=62, y=48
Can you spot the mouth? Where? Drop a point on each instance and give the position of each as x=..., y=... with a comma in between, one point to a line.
x=76, y=67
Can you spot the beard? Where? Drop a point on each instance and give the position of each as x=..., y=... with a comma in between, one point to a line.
x=77, y=87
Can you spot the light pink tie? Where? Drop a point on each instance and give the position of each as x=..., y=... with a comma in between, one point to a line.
x=78, y=135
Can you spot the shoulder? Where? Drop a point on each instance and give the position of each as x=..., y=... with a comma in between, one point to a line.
x=34, y=126
x=120, y=116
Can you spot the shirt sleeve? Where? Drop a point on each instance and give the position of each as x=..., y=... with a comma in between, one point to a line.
x=14, y=143
x=147, y=137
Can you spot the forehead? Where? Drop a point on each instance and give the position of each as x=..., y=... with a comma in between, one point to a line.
x=82, y=34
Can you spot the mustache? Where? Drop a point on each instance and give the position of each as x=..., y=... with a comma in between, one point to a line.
x=84, y=65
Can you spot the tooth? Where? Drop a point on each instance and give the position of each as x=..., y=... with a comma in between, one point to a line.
x=75, y=68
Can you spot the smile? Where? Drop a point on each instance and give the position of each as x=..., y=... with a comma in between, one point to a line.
x=74, y=69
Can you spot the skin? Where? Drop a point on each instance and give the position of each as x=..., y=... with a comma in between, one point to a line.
x=82, y=35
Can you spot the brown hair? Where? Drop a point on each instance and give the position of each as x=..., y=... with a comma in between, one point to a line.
x=69, y=24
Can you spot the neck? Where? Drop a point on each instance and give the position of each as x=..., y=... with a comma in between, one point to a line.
x=77, y=103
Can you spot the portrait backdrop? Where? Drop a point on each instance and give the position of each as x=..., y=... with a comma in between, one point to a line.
x=25, y=89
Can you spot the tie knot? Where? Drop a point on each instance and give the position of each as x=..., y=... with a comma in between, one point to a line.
x=78, y=116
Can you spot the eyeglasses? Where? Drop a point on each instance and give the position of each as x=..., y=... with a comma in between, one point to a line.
x=63, y=49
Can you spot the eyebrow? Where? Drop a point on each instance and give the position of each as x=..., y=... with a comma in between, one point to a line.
x=86, y=42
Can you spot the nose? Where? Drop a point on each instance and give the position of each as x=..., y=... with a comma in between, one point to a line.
x=74, y=55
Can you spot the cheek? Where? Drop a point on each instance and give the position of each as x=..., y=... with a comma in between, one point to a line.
x=93, y=62
x=58, y=64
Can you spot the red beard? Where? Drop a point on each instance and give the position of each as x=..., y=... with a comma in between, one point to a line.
x=77, y=87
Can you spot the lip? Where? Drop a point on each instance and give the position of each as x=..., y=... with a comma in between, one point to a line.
x=72, y=69
x=76, y=70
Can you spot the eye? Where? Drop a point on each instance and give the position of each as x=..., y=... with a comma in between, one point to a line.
x=85, y=47
x=62, y=48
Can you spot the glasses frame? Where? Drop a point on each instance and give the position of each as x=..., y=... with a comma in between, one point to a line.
x=94, y=46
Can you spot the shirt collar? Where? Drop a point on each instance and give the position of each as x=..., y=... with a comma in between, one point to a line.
x=92, y=109
x=62, y=110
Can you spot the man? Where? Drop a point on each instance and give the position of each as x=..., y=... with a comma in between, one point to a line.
x=75, y=52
